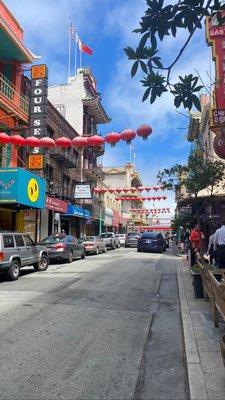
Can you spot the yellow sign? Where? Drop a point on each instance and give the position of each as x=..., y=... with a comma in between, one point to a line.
x=35, y=161
x=38, y=71
x=33, y=190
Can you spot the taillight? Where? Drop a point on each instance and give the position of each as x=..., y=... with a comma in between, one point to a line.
x=59, y=246
x=126, y=237
x=2, y=256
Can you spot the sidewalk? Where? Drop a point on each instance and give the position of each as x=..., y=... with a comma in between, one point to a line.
x=206, y=372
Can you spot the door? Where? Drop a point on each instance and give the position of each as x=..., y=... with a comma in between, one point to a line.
x=32, y=250
x=22, y=249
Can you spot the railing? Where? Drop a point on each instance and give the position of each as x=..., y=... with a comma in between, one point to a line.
x=8, y=90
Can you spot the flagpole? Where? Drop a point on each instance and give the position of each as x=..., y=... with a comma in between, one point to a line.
x=69, y=58
x=80, y=58
x=75, y=54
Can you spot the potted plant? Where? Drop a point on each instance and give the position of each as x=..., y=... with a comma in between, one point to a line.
x=197, y=279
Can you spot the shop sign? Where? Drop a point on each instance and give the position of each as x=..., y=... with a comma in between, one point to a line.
x=38, y=112
x=108, y=217
x=77, y=211
x=54, y=204
x=116, y=219
x=215, y=37
x=17, y=185
x=82, y=192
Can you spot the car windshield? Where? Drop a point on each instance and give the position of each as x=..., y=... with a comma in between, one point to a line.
x=87, y=239
x=150, y=235
x=133, y=234
x=105, y=235
x=53, y=239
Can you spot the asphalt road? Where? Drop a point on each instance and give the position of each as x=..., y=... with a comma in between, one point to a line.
x=107, y=327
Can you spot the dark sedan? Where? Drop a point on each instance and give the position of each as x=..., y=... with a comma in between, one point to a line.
x=151, y=241
x=63, y=247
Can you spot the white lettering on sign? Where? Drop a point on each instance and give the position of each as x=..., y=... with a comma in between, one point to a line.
x=37, y=109
x=38, y=82
x=37, y=131
x=35, y=150
x=37, y=122
x=38, y=100
x=38, y=91
x=217, y=32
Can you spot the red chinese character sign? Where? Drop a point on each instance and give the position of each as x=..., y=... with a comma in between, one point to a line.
x=216, y=38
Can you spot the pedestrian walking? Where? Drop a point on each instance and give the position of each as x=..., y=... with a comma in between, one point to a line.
x=219, y=245
x=210, y=251
x=196, y=243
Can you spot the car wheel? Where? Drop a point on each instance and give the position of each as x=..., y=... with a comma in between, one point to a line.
x=105, y=250
x=14, y=270
x=70, y=257
x=42, y=264
x=113, y=247
x=97, y=251
x=139, y=250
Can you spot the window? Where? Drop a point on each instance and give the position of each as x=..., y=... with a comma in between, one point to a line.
x=19, y=241
x=8, y=241
x=28, y=240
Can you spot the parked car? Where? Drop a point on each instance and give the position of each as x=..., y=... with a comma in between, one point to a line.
x=131, y=239
x=110, y=240
x=121, y=237
x=151, y=241
x=18, y=250
x=63, y=247
x=93, y=244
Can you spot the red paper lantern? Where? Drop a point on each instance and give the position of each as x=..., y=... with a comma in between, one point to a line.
x=133, y=190
x=149, y=198
x=159, y=198
x=144, y=131
x=95, y=141
x=140, y=189
x=97, y=190
x=17, y=140
x=154, y=198
x=4, y=138
x=111, y=190
x=155, y=188
x=125, y=190
x=144, y=198
x=103, y=190
x=164, y=197
x=63, y=142
x=112, y=138
x=46, y=142
x=148, y=188
x=127, y=135
x=79, y=142
x=219, y=145
x=32, y=141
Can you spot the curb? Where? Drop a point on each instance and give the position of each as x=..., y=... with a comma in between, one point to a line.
x=197, y=387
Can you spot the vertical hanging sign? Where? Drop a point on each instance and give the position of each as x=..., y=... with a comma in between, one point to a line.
x=38, y=113
x=215, y=35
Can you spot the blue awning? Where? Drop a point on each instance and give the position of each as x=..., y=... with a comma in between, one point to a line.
x=77, y=211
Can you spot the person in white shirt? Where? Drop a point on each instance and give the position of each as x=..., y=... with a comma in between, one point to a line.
x=210, y=251
x=219, y=245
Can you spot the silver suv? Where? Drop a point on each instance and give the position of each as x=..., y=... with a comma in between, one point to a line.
x=18, y=250
x=110, y=240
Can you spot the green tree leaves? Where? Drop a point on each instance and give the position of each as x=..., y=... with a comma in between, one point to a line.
x=160, y=20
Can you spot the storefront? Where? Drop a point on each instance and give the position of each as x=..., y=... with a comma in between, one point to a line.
x=73, y=222
x=51, y=216
x=22, y=196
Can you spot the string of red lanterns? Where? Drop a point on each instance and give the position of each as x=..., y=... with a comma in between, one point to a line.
x=129, y=190
x=141, y=198
x=111, y=138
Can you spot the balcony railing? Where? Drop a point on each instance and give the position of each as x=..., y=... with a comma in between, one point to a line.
x=17, y=99
x=64, y=156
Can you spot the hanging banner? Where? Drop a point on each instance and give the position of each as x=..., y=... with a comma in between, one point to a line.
x=38, y=113
x=82, y=192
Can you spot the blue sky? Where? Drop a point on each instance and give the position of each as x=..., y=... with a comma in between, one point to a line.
x=106, y=26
